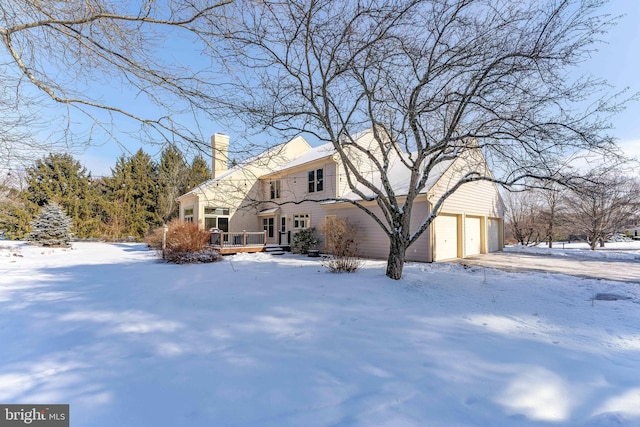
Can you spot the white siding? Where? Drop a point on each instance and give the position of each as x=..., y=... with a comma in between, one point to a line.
x=189, y=202
x=314, y=209
x=373, y=242
x=294, y=186
x=480, y=198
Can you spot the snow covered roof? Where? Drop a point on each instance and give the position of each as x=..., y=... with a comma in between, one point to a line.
x=269, y=211
x=399, y=177
x=254, y=159
x=316, y=153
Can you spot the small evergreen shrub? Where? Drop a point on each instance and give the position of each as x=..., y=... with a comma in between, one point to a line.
x=342, y=246
x=186, y=243
x=51, y=228
x=304, y=240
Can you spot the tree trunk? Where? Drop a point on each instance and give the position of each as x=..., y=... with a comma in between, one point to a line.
x=395, y=261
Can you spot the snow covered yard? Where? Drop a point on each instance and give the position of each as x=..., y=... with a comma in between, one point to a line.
x=616, y=262
x=612, y=250
x=257, y=340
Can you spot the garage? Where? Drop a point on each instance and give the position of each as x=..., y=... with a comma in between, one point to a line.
x=446, y=237
x=494, y=227
x=472, y=235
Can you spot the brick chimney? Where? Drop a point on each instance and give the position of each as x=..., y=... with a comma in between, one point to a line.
x=220, y=153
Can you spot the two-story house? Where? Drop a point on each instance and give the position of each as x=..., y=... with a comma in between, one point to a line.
x=299, y=191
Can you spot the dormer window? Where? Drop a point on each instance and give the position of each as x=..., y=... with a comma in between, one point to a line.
x=316, y=183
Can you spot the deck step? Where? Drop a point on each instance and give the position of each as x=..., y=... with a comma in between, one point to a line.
x=274, y=250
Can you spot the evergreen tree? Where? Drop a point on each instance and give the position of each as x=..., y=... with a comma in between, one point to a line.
x=172, y=173
x=198, y=173
x=52, y=227
x=132, y=194
x=61, y=179
x=14, y=217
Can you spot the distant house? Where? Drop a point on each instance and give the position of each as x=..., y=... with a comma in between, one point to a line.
x=634, y=232
x=295, y=186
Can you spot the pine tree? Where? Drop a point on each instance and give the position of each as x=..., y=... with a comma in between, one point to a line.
x=198, y=173
x=52, y=227
x=14, y=218
x=132, y=196
x=14, y=215
x=172, y=174
x=61, y=179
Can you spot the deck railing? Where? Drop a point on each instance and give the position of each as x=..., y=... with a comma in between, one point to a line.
x=238, y=239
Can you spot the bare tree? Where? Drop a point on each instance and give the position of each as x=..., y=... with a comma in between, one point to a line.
x=436, y=80
x=603, y=205
x=17, y=122
x=113, y=67
x=552, y=209
x=524, y=217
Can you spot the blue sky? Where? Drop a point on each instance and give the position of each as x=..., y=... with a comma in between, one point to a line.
x=617, y=60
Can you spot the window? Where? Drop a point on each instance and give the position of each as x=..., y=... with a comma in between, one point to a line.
x=301, y=221
x=210, y=222
x=275, y=189
x=316, y=183
x=188, y=214
x=283, y=224
x=215, y=217
x=268, y=226
x=216, y=211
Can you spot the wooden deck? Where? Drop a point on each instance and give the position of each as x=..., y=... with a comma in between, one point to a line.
x=229, y=250
x=228, y=243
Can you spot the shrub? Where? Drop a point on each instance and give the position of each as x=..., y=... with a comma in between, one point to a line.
x=342, y=246
x=186, y=243
x=153, y=238
x=51, y=228
x=201, y=256
x=304, y=240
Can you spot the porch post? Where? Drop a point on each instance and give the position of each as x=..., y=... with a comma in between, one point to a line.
x=244, y=237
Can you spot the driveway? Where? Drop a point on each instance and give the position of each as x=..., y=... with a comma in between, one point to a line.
x=609, y=269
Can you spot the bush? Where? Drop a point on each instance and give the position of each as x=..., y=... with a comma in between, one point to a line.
x=342, y=246
x=304, y=240
x=51, y=228
x=186, y=243
x=201, y=256
x=153, y=238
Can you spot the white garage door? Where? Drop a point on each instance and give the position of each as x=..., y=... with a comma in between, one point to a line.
x=446, y=237
x=472, y=236
x=493, y=235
